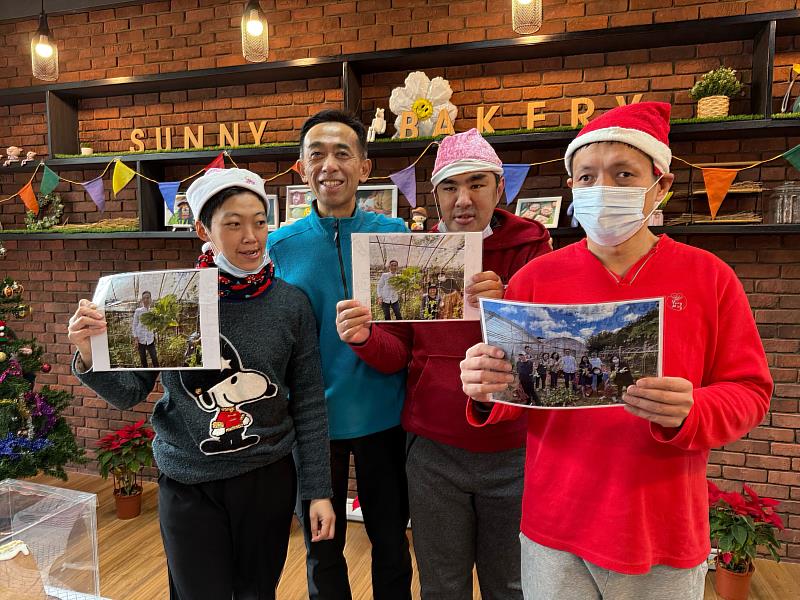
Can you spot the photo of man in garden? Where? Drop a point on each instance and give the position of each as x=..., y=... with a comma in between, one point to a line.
x=144, y=337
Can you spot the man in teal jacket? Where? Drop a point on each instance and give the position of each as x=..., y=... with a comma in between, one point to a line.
x=364, y=405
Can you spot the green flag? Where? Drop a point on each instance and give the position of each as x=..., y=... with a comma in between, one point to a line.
x=793, y=156
x=49, y=181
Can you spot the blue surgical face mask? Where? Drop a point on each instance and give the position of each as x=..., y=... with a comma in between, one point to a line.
x=225, y=265
x=611, y=215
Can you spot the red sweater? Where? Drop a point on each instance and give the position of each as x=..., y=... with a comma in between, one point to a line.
x=613, y=488
x=434, y=405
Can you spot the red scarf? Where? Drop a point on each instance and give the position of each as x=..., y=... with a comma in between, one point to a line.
x=238, y=288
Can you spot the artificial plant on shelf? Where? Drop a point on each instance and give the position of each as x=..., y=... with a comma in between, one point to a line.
x=740, y=524
x=714, y=90
x=34, y=436
x=123, y=454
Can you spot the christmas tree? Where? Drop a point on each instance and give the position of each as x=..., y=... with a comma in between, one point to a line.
x=34, y=436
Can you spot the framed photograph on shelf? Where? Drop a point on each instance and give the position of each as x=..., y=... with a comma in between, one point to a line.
x=544, y=210
x=182, y=217
x=298, y=202
x=272, y=212
x=380, y=199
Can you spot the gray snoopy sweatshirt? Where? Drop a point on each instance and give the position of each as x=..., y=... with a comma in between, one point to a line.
x=269, y=395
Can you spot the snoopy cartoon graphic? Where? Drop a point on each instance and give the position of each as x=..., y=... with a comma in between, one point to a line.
x=223, y=393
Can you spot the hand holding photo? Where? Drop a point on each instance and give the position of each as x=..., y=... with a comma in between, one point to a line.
x=158, y=320
x=416, y=277
x=574, y=355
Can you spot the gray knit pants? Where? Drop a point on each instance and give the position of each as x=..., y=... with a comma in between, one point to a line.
x=549, y=574
x=465, y=511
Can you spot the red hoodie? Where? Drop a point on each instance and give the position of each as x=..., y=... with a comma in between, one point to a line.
x=615, y=489
x=434, y=405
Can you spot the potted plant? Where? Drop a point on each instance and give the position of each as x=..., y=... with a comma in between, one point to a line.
x=86, y=149
x=122, y=454
x=739, y=525
x=713, y=92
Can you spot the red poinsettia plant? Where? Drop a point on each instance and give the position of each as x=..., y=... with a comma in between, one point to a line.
x=740, y=523
x=123, y=453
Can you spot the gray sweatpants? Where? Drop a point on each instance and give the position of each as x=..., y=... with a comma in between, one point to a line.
x=549, y=574
x=465, y=511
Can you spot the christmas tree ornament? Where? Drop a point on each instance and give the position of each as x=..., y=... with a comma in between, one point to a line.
x=21, y=311
x=3, y=356
x=17, y=288
x=25, y=351
x=46, y=367
x=8, y=291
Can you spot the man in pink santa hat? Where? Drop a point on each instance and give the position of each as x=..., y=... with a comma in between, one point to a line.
x=616, y=503
x=464, y=483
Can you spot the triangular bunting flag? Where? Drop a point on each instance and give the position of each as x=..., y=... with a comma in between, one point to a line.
x=29, y=198
x=168, y=191
x=121, y=177
x=515, y=176
x=793, y=156
x=718, y=182
x=217, y=163
x=296, y=167
x=49, y=181
x=406, y=181
x=95, y=190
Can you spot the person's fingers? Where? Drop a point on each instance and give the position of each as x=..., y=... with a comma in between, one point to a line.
x=354, y=323
x=345, y=304
x=484, y=349
x=324, y=531
x=671, y=384
x=654, y=407
x=664, y=421
x=486, y=363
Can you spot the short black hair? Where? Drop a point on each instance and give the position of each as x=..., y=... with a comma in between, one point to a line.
x=336, y=116
x=212, y=204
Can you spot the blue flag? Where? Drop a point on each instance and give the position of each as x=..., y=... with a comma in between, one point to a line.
x=515, y=176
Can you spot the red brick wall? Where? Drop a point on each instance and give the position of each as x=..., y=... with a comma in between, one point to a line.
x=160, y=37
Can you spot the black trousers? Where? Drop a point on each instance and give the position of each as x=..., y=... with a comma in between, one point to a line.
x=383, y=494
x=227, y=539
x=389, y=307
x=144, y=350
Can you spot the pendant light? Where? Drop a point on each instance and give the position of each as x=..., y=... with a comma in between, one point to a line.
x=526, y=16
x=255, y=33
x=44, y=52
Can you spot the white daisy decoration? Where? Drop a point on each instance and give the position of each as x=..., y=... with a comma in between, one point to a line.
x=424, y=97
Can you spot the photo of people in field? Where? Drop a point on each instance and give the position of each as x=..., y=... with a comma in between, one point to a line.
x=574, y=356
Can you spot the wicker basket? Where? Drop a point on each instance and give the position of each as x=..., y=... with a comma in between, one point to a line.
x=713, y=106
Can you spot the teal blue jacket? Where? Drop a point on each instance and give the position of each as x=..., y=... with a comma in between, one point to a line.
x=315, y=255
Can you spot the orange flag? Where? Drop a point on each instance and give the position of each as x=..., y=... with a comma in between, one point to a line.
x=29, y=198
x=296, y=168
x=718, y=182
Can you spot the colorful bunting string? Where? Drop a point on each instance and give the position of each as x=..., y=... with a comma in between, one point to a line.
x=718, y=181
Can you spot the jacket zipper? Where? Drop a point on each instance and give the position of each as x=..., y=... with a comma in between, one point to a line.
x=339, y=251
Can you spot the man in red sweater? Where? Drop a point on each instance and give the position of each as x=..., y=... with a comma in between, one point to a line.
x=464, y=484
x=615, y=502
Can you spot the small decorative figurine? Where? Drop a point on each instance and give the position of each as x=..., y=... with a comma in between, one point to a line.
x=378, y=125
x=12, y=153
x=418, y=217
x=29, y=156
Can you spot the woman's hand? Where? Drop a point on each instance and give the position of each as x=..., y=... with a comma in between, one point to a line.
x=85, y=323
x=323, y=520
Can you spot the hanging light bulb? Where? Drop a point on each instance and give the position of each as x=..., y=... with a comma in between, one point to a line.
x=44, y=52
x=255, y=33
x=526, y=16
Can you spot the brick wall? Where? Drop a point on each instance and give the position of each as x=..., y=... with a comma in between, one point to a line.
x=160, y=37
x=176, y=35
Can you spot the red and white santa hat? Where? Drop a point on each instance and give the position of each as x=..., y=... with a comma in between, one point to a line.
x=644, y=126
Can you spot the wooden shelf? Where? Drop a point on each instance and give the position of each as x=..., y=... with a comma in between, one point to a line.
x=548, y=139
x=116, y=235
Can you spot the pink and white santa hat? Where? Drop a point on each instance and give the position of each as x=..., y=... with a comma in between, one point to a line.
x=463, y=153
x=644, y=126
